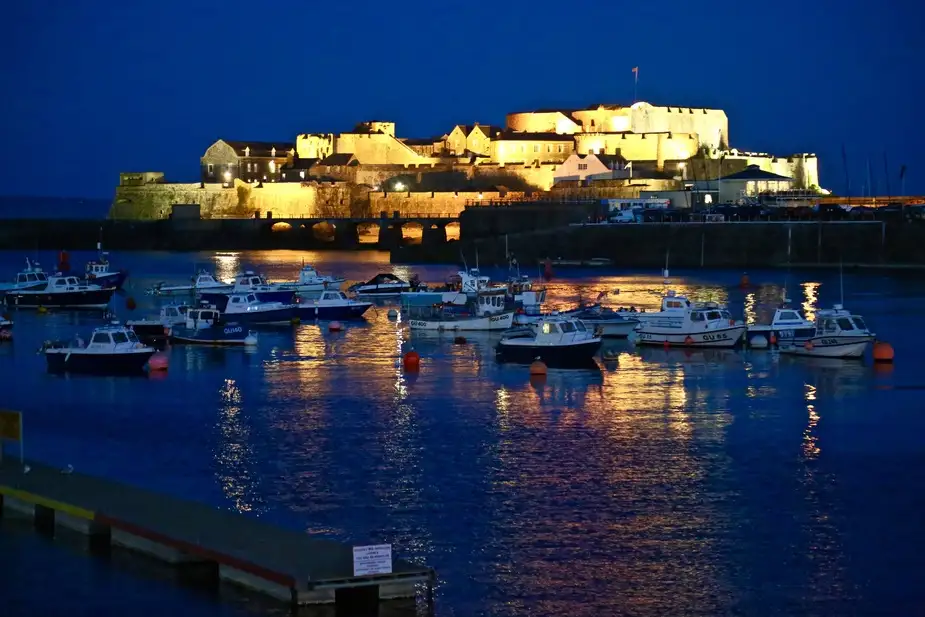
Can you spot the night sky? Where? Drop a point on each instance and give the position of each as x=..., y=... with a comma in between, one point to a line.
x=95, y=87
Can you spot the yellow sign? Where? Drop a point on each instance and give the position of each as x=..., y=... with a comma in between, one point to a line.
x=11, y=425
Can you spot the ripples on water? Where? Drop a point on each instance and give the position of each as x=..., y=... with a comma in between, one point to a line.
x=668, y=482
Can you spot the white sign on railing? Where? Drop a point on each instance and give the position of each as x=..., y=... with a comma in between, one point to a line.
x=373, y=559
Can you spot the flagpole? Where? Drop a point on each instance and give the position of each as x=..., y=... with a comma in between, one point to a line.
x=635, y=83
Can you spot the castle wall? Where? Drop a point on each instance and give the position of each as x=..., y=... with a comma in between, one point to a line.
x=639, y=147
x=377, y=149
x=283, y=199
x=710, y=125
x=542, y=122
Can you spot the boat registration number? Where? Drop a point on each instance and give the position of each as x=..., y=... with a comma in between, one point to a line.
x=497, y=318
x=722, y=336
x=417, y=324
x=828, y=341
x=234, y=330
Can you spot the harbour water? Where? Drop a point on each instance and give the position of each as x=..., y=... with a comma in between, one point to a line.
x=668, y=482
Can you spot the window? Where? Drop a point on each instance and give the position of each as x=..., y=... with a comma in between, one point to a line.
x=119, y=337
x=100, y=337
x=567, y=327
x=536, y=147
x=845, y=324
x=714, y=315
x=548, y=148
x=59, y=283
x=560, y=148
x=859, y=322
x=211, y=168
x=581, y=326
x=132, y=337
x=697, y=317
x=788, y=316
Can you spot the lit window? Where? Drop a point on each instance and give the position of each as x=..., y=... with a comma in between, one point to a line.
x=536, y=147
x=560, y=148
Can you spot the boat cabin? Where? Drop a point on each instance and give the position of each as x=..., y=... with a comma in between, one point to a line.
x=711, y=314
x=242, y=302
x=562, y=326
x=66, y=283
x=249, y=280
x=675, y=303
x=308, y=274
x=31, y=278
x=111, y=337
x=202, y=317
x=473, y=281
x=204, y=279
x=174, y=311
x=837, y=321
x=489, y=302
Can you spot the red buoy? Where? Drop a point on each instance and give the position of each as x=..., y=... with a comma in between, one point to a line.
x=412, y=361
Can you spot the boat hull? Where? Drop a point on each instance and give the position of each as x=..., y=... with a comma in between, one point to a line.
x=92, y=299
x=219, y=297
x=67, y=361
x=500, y=321
x=227, y=334
x=281, y=316
x=782, y=335
x=610, y=328
x=312, y=287
x=829, y=347
x=557, y=356
x=346, y=312
x=720, y=337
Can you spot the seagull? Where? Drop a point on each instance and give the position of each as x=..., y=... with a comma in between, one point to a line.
x=68, y=469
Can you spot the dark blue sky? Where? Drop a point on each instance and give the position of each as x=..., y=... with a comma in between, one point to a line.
x=94, y=87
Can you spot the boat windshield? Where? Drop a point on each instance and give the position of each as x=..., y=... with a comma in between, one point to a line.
x=131, y=337
x=726, y=314
x=101, y=337
x=119, y=337
x=697, y=316
x=714, y=315
x=859, y=322
x=845, y=324
x=550, y=328
x=581, y=326
x=567, y=326
x=42, y=276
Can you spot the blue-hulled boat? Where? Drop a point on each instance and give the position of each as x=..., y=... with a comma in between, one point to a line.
x=205, y=326
x=33, y=277
x=245, y=308
x=98, y=272
x=331, y=305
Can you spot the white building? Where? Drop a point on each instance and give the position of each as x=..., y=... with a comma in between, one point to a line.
x=583, y=167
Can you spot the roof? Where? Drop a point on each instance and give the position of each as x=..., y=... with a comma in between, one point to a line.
x=425, y=141
x=261, y=148
x=614, y=161
x=753, y=172
x=299, y=163
x=514, y=136
x=486, y=129
x=335, y=160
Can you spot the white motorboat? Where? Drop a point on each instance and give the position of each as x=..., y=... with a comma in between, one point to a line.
x=608, y=322
x=203, y=282
x=381, y=285
x=310, y=280
x=525, y=292
x=157, y=327
x=113, y=349
x=33, y=277
x=686, y=324
x=250, y=282
x=246, y=308
x=557, y=341
x=787, y=326
x=331, y=305
x=838, y=334
x=488, y=310
x=205, y=325
x=458, y=291
x=61, y=292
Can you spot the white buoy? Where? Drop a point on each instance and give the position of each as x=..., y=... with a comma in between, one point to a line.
x=335, y=326
x=250, y=340
x=758, y=342
x=393, y=314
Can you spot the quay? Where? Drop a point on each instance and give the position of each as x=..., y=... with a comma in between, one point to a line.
x=292, y=567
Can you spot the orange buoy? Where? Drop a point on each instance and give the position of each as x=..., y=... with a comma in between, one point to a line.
x=335, y=326
x=538, y=367
x=158, y=362
x=412, y=361
x=883, y=352
x=772, y=339
x=688, y=341
x=666, y=344
x=130, y=303
x=808, y=344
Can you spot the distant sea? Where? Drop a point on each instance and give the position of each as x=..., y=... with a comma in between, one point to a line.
x=18, y=207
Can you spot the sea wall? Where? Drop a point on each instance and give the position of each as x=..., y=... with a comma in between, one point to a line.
x=723, y=245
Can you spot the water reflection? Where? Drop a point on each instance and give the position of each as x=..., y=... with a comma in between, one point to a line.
x=810, y=299
x=234, y=454
x=227, y=266
x=810, y=439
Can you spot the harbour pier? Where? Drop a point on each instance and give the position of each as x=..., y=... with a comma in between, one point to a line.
x=292, y=567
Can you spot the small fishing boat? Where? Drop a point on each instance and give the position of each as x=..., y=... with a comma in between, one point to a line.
x=786, y=326
x=62, y=292
x=204, y=325
x=686, y=324
x=310, y=280
x=530, y=315
x=6, y=329
x=608, y=322
x=487, y=311
x=457, y=291
x=33, y=277
x=557, y=341
x=113, y=349
x=99, y=272
x=331, y=305
x=838, y=334
x=245, y=308
x=525, y=292
x=381, y=285
x=249, y=282
x=157, y=327
x=201, y=283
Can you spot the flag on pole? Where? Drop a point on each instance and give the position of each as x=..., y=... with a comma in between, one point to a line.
x=636, y=72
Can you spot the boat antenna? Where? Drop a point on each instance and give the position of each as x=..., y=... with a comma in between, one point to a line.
x=665, y=271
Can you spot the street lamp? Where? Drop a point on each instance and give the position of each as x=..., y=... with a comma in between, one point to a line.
x=399, y=186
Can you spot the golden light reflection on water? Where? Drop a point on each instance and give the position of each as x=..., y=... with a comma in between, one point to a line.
x=811, y=299
x=810, y=440
x=227, y=266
